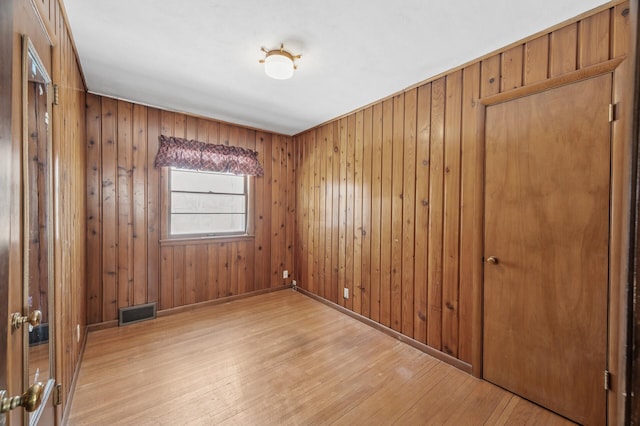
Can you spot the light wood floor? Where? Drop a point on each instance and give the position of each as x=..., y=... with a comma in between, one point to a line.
x=279, y=358
x=39, y=361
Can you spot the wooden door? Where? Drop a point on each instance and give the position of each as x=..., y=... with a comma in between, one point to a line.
x=10, y=345
x=547, y=181
x=26, y=268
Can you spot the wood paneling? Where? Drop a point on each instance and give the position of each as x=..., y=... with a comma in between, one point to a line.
x=357, y=212
x=139, y=212
x=69, y=179
x=153, y=206
x=421, y=248
x=434, y=231
x=109, y=210
x=127, y=210
x=70, y=189
x=511, y=73
x=349, y=213
x=38, y=171
x=414, y=247
x=451, y=220
x=536, y=60
x=262, y=216
x=563, y=50
x=385, y=227
x=397, y=181
x=376, y=211
x=470, y=93
x=593, y=44
x=94, y=210
x=342, y=214
x=408, y=210
x=367, y=133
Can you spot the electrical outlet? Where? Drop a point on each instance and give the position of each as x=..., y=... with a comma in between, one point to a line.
x=346, y=293
x=78, y=332
x=285, y=274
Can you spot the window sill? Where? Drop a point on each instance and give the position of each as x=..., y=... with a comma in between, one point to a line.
x=183, y=241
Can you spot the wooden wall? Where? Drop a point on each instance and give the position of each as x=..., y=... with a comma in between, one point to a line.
x=385, y=203
x=38, y=218
x=69, y=183
x=68, y=172
x=129, y=259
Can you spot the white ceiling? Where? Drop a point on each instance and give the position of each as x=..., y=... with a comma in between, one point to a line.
x=201, y=56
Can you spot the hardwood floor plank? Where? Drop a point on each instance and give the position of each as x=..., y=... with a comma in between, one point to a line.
x=277, y=358
x=499, y=409
x=415, y=375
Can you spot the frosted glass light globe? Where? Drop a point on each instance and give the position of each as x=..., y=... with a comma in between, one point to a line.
x=278, y=66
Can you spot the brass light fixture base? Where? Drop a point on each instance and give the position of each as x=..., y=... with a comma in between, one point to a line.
x=280, y=52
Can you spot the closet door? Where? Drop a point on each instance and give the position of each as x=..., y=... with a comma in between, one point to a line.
x=546, y=247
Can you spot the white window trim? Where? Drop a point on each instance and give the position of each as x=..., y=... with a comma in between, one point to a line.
x=208, y=235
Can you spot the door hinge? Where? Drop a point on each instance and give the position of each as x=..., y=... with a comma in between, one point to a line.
x=612, y=112
x=607, y=380
x=56, y=94
x=57, y=396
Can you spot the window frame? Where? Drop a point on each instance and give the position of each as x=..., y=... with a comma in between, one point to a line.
x=167, y=211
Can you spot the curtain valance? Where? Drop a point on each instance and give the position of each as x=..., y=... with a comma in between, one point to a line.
x=190, y=154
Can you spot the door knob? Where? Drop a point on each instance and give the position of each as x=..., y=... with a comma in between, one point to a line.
x=33, y=319
x=493, y=260
x=30, y=400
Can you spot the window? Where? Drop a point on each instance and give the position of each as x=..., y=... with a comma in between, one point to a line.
x=207, y=203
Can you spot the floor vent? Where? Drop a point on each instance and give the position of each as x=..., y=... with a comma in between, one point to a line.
x=132, y=314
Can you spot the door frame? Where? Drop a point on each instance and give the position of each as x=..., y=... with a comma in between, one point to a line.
x=6, y=182
x=619, y=226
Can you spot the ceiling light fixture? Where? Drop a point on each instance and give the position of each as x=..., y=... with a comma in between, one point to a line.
x=279, y=63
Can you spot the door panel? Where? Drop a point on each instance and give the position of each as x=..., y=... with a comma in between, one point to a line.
x=8, y=342
x=547, y=222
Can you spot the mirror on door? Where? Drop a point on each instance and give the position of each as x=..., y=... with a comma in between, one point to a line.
x=38, y=237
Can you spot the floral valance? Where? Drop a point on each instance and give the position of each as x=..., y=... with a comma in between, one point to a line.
x=190, y=154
